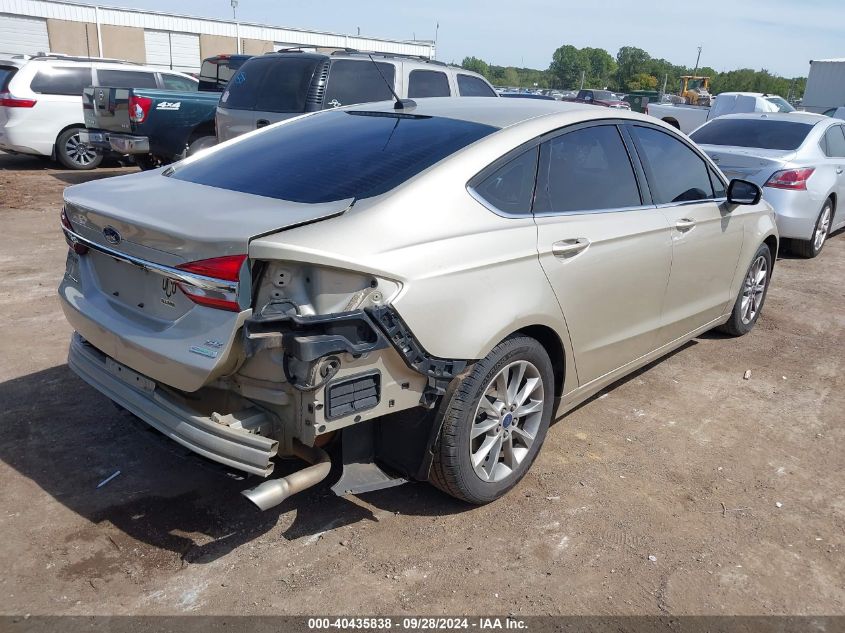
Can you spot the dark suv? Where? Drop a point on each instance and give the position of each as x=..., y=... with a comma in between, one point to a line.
x=279, y=86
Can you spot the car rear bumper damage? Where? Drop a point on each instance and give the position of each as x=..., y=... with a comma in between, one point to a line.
x=209, y=436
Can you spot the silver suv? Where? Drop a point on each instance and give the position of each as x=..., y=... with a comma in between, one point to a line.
x=280, y=86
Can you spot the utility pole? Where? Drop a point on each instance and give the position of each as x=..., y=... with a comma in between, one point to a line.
x=697, y=59
x=436, y=33
x=234, y=10
x=583, y=76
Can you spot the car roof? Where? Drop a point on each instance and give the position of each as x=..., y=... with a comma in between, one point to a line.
x=498, y=112
x=799, y=117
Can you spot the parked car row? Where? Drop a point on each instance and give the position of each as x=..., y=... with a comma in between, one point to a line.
x=423, y=285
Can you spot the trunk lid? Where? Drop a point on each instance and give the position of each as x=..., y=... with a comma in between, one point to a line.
x=136, y=313
x=746, y=163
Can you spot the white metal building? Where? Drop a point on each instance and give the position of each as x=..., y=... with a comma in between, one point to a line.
x=171, y=41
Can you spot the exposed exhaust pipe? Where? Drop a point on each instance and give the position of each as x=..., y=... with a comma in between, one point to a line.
x=271, y=493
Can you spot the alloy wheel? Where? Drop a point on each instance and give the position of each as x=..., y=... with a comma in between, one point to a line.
x=79, y=152
x=506, y=421
x=754, y=287
x=822, y=229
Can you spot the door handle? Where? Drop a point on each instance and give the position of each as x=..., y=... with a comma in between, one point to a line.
x=685, y=224
x=568, y=248
x=838, y=170
x=261, y=123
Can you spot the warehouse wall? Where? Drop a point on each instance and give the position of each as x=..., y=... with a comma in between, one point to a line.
x=124, y=42
x=211, y=45
x=73, y=38
x=256, y=47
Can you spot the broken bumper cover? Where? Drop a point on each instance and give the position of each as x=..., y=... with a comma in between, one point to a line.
x=140, y=396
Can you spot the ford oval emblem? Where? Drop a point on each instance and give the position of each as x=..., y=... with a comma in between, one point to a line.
x=111, y=235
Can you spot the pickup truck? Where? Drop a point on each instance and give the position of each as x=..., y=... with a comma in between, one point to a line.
x=600, y=98
x=157, y=127
x=689, y=117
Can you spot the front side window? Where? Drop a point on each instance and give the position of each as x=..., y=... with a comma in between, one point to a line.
x=718, y=187
x=834, y=142
x=62, y=80
x=353, y=81
x=511, y=187
x=469, y=86
x=428, y=83
x=675, y=172
x=125, y=79
x=175, y=82
x=586, y=170
x=333, y=156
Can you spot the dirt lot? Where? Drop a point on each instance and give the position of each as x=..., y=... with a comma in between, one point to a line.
x=735, y=486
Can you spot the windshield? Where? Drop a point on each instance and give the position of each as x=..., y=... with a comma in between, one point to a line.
x=758, y=133
x=216, y=73
x=333, y=155
x=781, y=103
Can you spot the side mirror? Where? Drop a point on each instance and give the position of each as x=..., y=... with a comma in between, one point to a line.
x=743, y=192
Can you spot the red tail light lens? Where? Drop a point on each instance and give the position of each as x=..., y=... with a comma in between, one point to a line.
x=226, y=268
x=795, y=179
x=79, y=249
x=139, y=108
x=9, y=101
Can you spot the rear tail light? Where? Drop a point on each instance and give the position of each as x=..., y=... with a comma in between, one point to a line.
x=139, y=108
x=79, y=249
x=795, y=179
x=226, y=268
x=9, y=101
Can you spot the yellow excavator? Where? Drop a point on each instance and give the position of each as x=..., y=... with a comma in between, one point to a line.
x=696, y=90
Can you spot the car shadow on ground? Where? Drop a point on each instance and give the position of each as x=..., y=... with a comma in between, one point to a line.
x=67, y=438
x=109, y=167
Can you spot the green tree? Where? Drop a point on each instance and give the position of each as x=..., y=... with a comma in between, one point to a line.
x=601, y=67
x=642, y=81
x=476, y=65
x=567, y=65
x=630, y=61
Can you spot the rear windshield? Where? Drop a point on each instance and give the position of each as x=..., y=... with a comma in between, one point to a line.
x=6, y=74
x=270, y=84
x=215, y=74
x=758, y=133
x=333, y=155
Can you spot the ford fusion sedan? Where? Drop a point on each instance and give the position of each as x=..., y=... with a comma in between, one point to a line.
x=799, y=161
x=418, y=290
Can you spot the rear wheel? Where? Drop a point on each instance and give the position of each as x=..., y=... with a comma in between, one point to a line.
x=812, y=247
x=72, y=153
x=200, y=143
x=752, y=294
x=494, y=422
x=147, y=161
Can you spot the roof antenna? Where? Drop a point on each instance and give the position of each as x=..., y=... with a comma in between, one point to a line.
x=400, y=104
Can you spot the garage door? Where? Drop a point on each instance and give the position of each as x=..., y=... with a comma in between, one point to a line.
x=179, y=51
x=20, y=35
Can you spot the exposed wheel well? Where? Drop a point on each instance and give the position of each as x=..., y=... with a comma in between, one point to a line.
x=673, y=122
x=62, y=131
x=203, y=129
x=549, y=339
x=772, y=243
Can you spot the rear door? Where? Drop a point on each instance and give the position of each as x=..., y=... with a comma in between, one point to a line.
x=605, y=249
x=263, y=91
x=706, y=235
x=834, y=146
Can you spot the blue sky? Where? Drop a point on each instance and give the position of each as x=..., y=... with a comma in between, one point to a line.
x=779, y=35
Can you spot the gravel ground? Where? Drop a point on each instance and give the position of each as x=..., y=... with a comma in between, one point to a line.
x=683, y=489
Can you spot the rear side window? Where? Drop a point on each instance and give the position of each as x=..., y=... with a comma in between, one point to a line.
x=125, y=79
x=470, y=86
x=273, y=84
x=6, y=74
x=586, y=170
x=834, y=142
x=511, y=187
x=759, y=133
x=333, y=155
x=428, y=83
x=175, y=82
x=352, y=81
x=59, y=80
x=675, y=172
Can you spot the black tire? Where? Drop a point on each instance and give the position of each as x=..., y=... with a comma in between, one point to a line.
x=807, y=248
x=200, y=143
x=452, y=470
x=738, y=324
x=72, y=154
x=147, y=161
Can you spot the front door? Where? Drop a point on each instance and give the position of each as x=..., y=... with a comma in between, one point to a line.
x=605, y=252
